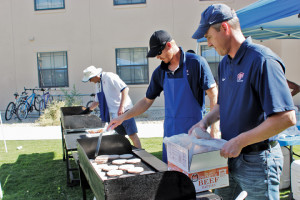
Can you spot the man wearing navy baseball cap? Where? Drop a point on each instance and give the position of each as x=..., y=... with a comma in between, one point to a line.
x=184, y=78
x=212, y=15
x=254, y=105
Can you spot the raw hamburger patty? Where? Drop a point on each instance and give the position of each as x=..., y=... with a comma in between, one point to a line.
x=101, y=166
x=119, y=162
x=133, y=161
x=110, y=167
x=135, y=170
x=101, y=159
x=126, y=166
x=114, y=172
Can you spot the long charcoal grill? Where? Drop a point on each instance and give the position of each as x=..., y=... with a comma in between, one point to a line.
x=73, y=127
x=73, y=121
x=160, y=185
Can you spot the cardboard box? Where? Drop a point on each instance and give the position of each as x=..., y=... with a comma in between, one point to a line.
x=207, y=170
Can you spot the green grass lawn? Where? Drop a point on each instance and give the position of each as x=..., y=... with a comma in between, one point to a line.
x=37, y=171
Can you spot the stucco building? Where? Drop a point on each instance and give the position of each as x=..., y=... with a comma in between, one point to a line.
x=47, y=43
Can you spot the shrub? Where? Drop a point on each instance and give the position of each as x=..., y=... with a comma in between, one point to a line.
x=51, y=115
x=72, y=98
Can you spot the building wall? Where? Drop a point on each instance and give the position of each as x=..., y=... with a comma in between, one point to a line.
x=91, y=30
x=289, y=51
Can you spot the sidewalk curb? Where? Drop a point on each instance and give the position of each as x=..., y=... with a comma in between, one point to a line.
x=54, y=132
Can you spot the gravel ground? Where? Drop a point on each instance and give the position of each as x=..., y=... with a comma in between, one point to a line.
x=149, y=117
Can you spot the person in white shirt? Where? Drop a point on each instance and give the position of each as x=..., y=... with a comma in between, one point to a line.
x=113, y=99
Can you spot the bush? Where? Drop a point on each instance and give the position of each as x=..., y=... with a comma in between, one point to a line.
x=72, y=98
x=51, y=115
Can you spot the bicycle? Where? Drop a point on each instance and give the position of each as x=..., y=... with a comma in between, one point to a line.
x=28, y=104
x=46, y=98
x=96, y=111
x=11, y=109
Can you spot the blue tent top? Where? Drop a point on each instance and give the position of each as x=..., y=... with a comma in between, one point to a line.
x=269, y=19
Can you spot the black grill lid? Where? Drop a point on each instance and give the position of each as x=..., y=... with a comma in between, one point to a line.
x=72, y=120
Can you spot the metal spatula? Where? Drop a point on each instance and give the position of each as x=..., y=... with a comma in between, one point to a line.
x=98, y=145
x=99, y=140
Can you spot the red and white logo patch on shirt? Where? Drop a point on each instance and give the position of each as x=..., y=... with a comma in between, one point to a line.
x=240, y=77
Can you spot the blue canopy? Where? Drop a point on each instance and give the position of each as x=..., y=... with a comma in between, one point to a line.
x=270, y=19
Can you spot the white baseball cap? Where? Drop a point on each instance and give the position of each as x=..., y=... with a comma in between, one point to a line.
x=90, y=72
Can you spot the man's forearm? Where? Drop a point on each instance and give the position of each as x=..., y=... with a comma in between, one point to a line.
x=270, y=127
x=213, y=96
x=212, y=117
x=124, y=95
x=94, y=105
x=139, y=108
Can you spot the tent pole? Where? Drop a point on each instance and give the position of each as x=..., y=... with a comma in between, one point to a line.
x=3, y=133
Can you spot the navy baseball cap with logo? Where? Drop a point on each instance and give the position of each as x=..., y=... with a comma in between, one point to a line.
x=214, y=14
x=158, y=42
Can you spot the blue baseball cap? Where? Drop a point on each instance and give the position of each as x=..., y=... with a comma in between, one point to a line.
x=214, y=14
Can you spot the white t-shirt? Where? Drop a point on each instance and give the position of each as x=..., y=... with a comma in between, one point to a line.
x=112, y=87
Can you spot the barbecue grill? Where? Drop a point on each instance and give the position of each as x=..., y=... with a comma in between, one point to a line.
x=157, y=183
x=73, y=127
x=73, y=121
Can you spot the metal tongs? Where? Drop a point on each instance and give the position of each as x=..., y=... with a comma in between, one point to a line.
x=100, y=138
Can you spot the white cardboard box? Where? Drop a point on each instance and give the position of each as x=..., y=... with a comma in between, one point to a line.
x=207, y=170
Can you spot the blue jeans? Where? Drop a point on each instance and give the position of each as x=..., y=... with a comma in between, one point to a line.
x=257, y=173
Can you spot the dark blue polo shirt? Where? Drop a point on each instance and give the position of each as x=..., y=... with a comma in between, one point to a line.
x=251, y=84
x=199, y=77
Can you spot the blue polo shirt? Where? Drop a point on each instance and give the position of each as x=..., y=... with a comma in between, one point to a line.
x=251, y=84
x=199, y=77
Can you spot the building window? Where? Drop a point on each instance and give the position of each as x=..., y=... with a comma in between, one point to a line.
x=53, y=69
x=213, y=59
x=49, y=4
x=126, y=2
x=132, y=65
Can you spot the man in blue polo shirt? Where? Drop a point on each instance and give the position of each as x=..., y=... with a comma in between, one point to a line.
x=184, y=78
x=254, y=104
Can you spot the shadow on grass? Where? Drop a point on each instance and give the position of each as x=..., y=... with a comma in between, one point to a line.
x=37, y=176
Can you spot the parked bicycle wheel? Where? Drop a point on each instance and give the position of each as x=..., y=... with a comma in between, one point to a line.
x=50, y=100
x=22, y=110
x=10, y=110
x=42, y=106
x=36, y=102
x=47, y=101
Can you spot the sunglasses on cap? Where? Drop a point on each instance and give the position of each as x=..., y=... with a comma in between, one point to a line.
x=162, y=47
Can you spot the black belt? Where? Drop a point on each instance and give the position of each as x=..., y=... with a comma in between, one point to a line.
x=259, y=146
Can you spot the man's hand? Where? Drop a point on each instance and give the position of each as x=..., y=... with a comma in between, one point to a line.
x=86, y=111
x=231, y=149
x=200, y=125
x=115, y=122
x=121, y=110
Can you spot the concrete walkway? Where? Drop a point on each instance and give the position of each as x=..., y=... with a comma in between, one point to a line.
x=54, y=132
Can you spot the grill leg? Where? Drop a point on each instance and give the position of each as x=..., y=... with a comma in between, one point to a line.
x=63, y=141
x=83, y=183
